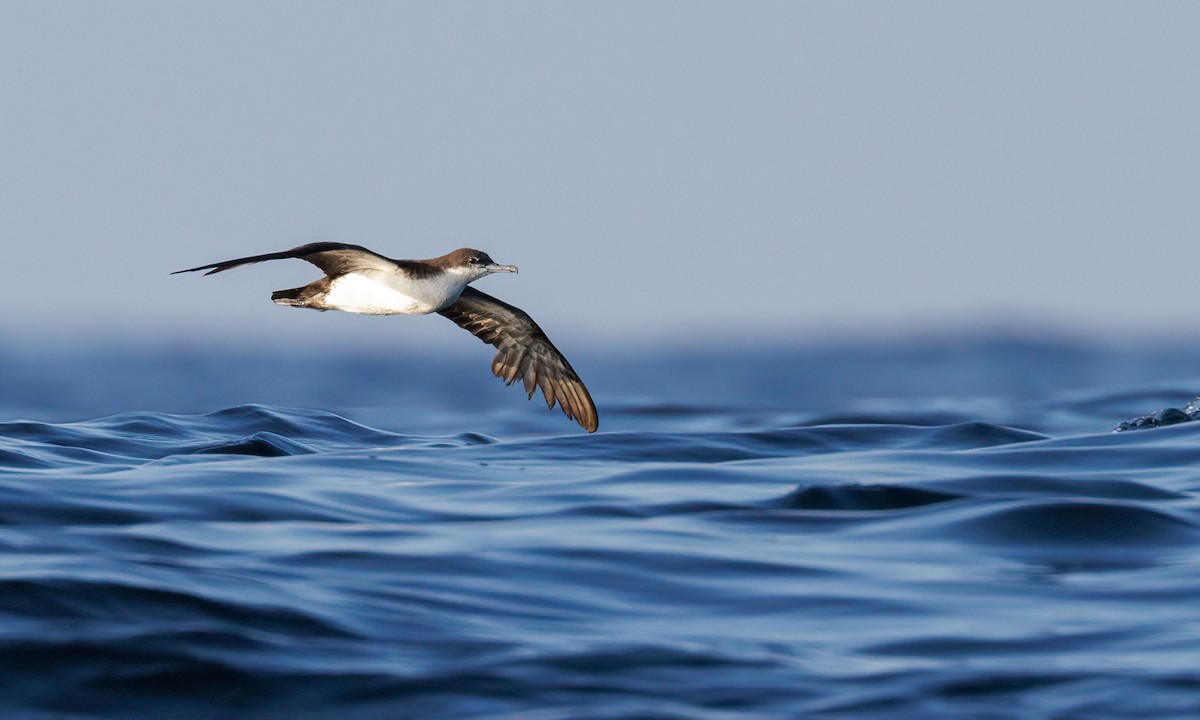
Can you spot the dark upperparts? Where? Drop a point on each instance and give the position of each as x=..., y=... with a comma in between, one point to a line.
x=339, y=258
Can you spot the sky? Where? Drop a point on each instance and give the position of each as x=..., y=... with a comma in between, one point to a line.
x=659, y=171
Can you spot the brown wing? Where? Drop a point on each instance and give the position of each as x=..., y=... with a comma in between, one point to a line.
x=333, y=258
x=524, y=351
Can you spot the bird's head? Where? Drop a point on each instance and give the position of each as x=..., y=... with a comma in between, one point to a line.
x=476, y=263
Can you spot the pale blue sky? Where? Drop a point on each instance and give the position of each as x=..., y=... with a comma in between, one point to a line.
x=657, y=170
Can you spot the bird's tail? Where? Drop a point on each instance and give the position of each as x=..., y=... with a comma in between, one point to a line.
x=288, y=297
x=309, y=296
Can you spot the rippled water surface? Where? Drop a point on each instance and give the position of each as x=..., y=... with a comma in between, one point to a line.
x=946, y=529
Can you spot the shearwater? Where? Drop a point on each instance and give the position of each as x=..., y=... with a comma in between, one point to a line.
x=358, y=280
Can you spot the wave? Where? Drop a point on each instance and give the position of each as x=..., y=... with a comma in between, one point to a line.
x=263, y=561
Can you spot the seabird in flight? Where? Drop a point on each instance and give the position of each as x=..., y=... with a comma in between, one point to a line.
x=360, y=281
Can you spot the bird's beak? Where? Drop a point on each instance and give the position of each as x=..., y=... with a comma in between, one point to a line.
x=500, y=268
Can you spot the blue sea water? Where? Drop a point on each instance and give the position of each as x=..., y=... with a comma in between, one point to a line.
x=942, y=528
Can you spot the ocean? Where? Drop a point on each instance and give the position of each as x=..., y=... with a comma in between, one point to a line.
x=938, y=527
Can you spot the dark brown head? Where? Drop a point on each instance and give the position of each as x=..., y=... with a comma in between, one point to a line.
x=471, y=263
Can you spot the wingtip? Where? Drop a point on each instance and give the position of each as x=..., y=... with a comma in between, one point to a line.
x=190, y=270
x=588, y=419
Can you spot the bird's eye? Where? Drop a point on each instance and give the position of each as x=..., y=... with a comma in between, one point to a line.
x=475, y=259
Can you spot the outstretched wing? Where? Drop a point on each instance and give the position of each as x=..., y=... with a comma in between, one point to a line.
x=524, y=351
x=333, y=258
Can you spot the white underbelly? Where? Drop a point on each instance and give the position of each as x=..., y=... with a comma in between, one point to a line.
x=358, y=294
